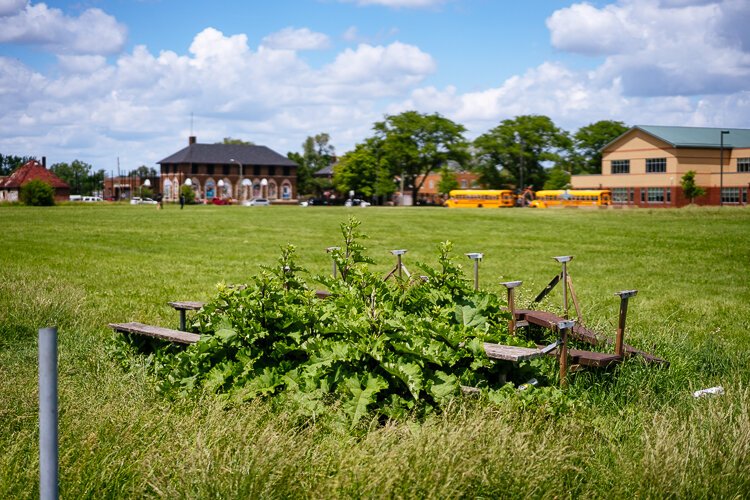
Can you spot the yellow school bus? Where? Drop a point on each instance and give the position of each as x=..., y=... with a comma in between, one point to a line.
x=572, y=198
x=480, y=198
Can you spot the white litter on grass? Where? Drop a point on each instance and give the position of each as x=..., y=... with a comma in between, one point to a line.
x=711, y=391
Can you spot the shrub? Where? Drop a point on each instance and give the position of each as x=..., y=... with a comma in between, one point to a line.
x=188, y=193
x=37, y=193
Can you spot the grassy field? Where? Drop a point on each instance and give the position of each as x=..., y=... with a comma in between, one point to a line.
x=636, y=431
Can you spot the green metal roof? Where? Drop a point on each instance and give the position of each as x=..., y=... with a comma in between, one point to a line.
x=700, y=137
x=695, y=137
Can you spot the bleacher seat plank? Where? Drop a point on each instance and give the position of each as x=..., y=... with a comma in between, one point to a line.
x=156, y=332
x=186, y=305
x=511, y=353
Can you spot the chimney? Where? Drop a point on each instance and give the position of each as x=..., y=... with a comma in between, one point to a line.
x=191, y=140
x=44, y=161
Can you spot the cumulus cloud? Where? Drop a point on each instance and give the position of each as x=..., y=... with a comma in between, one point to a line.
x=677, y=47
x=93, y=32
x=296, y=39
x=10, y=7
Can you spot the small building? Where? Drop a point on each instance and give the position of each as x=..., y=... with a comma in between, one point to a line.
x=10, y=186
x=644, y=166
x=229, y=171
x=429, y=194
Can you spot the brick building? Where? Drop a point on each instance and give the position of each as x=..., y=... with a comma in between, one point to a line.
x=10, y=186
x=235, y=171
x=645, y=165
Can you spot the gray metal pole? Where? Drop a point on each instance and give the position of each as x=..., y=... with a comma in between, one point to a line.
x=48, y=452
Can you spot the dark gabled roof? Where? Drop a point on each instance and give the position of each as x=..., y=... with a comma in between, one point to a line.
x=29, y=171
x=324, y=172
x=223, y=153
x=693, y=137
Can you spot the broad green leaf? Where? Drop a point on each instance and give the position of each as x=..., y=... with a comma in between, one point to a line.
x=363, y=394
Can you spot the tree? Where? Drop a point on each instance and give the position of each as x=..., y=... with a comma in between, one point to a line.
x=514, y=152
x=75, y=174
x=413, y=145
x=9, y=163
x=37, y=193
x=557, y=179
x=448, y=180
x=364, y=172
x=143, y=172
x=689, y=188
x=188, y=193
x=232, y=140
x=317, y=153
x=586, y=157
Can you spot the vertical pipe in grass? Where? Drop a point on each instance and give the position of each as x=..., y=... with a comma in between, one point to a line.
x=48, y=452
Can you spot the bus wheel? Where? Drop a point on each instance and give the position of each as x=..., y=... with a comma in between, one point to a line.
x=479, y=206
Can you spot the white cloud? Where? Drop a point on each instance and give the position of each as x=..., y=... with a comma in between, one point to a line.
x=93, y=32
x=296, y=39
x=683, y=47
x=10, y=7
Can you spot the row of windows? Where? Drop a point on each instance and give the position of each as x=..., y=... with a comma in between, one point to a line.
x=734, y=195
x=659, y=165
x=664, y=195
x=212, y=169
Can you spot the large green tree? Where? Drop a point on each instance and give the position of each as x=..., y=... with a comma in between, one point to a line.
x=414, y=145
x=364, y=172
x=80, y=177
x=586, y=156
x=515, y=152
x=317, y=153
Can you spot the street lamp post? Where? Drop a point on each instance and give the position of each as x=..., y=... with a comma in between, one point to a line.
x=721, y=167
x=520, y=168
x=242, y=182
x=264, y=184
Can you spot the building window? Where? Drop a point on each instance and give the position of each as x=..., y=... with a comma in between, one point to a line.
x=225, y=169
x=193, y=169
x=256, y=170
x=655, y=195
x=210, y=169
x=620, y=195
x=743, y=164
x=620, y=166
x=271, y=170
x=286, y=171
x=656, y=165
x=744, y=196
x=464, y=184
x=730, y=195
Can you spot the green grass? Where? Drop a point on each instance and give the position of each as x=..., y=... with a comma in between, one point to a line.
x=635, y=432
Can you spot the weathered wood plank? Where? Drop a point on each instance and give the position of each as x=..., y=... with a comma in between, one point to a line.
x=156, y=332
x=511, y=353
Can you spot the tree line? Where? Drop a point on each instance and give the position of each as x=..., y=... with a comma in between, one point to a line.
x=526, y=151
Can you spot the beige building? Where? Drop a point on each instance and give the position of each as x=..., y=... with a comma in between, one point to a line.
x=645, y=165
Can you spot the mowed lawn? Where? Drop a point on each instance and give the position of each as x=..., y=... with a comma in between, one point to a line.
x=634, y=431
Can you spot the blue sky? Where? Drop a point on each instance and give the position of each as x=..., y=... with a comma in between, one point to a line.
x=98, y=80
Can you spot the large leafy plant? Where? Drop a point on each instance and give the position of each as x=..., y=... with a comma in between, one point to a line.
x=396, y=347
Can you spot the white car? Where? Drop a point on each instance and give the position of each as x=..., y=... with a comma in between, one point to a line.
x=92, y=198
x=144, y=201
x=257, y=202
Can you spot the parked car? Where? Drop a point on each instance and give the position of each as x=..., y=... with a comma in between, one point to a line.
x=356, y=202
x=257, y=202
x=92, y=198
x=145, y=201
x=221, y=201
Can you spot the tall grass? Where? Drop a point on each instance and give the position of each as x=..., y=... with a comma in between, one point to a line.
x=635, y=431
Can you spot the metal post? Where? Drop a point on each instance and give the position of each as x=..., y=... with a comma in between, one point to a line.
x=477, y=258
x=48, y=452
x=564, y=261
x=624, y=296
x=399, y=264
x=564, y=327
x=331, y=250
x=510, y=286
